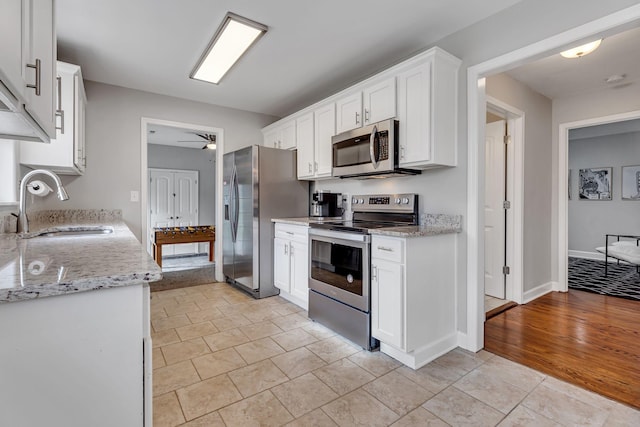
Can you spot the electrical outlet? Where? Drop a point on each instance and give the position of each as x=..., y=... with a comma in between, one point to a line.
x=135, y=196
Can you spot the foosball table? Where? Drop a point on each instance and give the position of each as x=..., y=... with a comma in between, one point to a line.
x=189, y=234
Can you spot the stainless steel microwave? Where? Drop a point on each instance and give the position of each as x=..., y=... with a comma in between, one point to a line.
x=369, y=151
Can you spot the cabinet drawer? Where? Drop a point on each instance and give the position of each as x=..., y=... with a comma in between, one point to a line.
x=292, y=232
x=387, y=248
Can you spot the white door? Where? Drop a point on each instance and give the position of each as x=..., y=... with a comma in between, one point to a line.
x=387, y=302
x=304, y=140
x=173, y=202
x=349, y=113
x=281, y=264
x=380, y=101
x=494, y=213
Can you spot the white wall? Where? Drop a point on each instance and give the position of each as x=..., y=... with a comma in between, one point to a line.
x=8, y=173
x=590, y=220
x=538, y=184
x=113, y=144
x=203, y=161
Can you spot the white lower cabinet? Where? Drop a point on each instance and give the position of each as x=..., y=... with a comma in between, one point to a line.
x=413, y=310
x=77, y=360
x=291, y=262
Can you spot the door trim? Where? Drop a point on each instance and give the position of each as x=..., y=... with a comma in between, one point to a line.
x=144, y=180
x=472, y=338
x=515, y=118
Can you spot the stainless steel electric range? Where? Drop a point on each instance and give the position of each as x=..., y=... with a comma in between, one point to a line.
x=339, y=263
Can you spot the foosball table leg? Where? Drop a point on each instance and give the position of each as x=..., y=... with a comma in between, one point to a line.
x=157, y=254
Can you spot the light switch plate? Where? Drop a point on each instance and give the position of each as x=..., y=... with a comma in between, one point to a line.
x=135, y=196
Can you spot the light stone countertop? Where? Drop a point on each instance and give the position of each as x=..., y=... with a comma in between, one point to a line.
x=430, y=225
x=39, y=267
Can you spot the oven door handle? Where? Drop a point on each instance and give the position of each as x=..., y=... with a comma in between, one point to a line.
x=339, y=236
x=373, y=147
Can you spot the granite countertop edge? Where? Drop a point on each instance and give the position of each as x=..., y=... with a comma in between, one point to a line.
x=139, y=269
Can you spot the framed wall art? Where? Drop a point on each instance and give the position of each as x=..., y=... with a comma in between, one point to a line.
x=595, y=184
x=631, y=183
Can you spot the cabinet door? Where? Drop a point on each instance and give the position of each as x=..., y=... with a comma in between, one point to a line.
x=281, y=264
x=11, y=20
x=387, y=302
x=325, y=128
x=79, y=157
x=300, y=270
x=41, y=46
x=349, y=112
x=305, y=144
x=414, y=114
x=288, y=136
x=380, y=101
x=271, y=138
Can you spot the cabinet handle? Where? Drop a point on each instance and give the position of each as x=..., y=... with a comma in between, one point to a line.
x=60, y=111
x=38, y=67
x=286, y=249
x=170, y=217
x=384, y=248
x=357, y=118
x=275, y=144
x=177, y=217
x=291, y=250
x=315, y=166
x=289, y=233
x=402, y=151
x=374, y=272
x=310, y=168
x=366, y=115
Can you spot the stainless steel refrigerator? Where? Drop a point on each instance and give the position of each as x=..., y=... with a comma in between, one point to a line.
x=260, y=183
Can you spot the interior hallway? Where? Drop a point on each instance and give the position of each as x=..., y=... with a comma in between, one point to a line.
x=222, y=358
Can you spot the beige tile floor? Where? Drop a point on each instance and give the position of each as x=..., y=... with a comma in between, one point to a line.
x=223, y=359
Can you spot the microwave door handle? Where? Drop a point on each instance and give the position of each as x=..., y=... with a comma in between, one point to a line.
x=373, y=152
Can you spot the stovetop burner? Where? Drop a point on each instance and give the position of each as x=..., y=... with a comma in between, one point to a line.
x=377, y=211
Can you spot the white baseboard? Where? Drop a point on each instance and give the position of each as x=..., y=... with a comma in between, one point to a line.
x=423, y=355
x=463, y=340
x=538, y=291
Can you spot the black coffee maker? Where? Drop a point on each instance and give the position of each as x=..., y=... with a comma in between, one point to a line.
x=326, y=204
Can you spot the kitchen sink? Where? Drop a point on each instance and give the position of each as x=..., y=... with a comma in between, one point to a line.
x=73, y=231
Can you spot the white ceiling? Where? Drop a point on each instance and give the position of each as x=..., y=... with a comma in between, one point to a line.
x=178, y=137
x=312, y=49
x=558, y=77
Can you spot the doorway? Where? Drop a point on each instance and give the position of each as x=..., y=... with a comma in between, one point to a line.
x=187, y=147
x=476, y=102
x=503, y=202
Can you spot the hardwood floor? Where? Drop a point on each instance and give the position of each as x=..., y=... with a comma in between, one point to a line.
x=590, y=340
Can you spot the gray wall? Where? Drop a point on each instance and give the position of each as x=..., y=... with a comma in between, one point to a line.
x=590, y=220
x=538, y=185
x=113, y=144
x=203, y=161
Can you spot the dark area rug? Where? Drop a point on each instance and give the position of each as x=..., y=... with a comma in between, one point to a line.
x=588, y=275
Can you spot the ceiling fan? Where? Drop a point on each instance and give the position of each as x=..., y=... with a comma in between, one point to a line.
x=209, y=137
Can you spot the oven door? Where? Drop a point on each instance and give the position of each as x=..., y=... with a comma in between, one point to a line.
x=339, y=266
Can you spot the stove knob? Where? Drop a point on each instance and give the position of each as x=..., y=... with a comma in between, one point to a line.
x=405, y=200
x=361, y=201
x=397, y=200
x=354, y=201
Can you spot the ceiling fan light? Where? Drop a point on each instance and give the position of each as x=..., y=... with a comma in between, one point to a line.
x=580, y=51
x=232, y=39
x=211, y=146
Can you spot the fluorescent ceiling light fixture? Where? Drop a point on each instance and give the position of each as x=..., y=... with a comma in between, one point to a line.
x=234, y=37
x=580, y=51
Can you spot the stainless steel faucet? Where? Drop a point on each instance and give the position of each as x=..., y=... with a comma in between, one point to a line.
x=23, y=221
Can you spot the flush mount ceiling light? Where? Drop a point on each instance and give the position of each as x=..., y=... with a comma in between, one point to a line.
x=580, y=51
x=233, y=38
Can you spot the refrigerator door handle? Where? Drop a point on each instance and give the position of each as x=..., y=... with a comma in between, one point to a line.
x=232, y=204
x=236, y=199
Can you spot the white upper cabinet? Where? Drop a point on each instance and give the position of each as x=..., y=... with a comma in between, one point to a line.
x=11, y=21
x=349, y=112
x=325, y=128
x=427, y=111
x=372, y=104
x=27, y=69
x=66, y=153
x=283, y=136
x=313, y=132
x=305, y=142
x=379, y=101
x=39, y=55
x=421, y=93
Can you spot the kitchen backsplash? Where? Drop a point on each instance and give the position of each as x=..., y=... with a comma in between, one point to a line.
x=49, y=218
